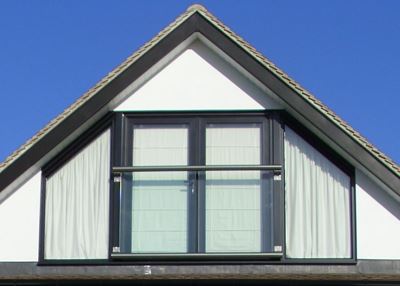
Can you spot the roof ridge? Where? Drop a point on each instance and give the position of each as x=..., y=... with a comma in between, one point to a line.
x=196, y=7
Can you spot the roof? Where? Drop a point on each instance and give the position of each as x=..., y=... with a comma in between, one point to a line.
x=196, y=9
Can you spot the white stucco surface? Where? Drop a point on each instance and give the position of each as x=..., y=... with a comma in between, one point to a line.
x=378, y=221
x=19, y=223
x=198, y=79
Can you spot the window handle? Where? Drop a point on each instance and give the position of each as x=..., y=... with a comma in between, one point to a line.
x=190, y=184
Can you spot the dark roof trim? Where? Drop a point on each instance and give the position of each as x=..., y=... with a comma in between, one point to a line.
x=197, y=19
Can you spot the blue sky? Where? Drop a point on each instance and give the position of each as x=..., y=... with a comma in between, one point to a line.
x=346, y=52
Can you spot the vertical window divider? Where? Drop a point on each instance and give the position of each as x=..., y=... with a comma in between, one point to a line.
x=266, y=213
x=278, y=183
x=115, y=192
x=193, y=191
x=116, y=160
x=201, y=181
x=192, y=212
x=125, y=231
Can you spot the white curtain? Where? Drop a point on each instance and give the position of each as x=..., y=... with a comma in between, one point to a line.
x=77, y=205
x=317, y=203
x=233, y=218
x=159, y=199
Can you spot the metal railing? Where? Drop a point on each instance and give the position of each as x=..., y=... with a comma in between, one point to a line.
x=274, y=168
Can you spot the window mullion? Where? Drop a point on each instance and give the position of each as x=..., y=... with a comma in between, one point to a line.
x=195, y=213
x=117, y=143
x=124, y=194
x=201, y=180
x=265, y=205
x=277, y=184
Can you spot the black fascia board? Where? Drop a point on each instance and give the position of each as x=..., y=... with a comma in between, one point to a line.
x=197, y=23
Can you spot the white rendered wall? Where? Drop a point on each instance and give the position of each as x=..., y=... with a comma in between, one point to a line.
x=19, y=223
x=198, y=79
x=378, y=221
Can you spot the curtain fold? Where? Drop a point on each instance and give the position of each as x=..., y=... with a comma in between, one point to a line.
x=317, y=203
x=77, y=204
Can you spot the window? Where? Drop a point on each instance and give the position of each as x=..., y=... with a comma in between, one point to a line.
x=197, y=185
x=317, y=203
x=158, y=219
x=233, y=198
x=77, y=204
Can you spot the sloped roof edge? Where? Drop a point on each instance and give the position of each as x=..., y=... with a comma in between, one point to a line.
x=303, y=93
x=94, y=90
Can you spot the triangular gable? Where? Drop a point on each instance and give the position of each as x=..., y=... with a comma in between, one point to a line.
x=198, y=79
x=96, y=102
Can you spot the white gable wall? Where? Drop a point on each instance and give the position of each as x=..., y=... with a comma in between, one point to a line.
x=19, y=222
x=198, y=79
x=378, y=221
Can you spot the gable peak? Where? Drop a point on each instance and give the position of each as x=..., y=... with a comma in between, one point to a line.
x=196, y=7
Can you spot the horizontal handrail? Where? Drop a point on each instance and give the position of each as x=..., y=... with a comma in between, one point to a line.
x=275, y=168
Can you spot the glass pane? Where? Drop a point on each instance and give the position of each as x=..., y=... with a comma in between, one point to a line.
x=154, y=205
x=233, y=198
x=160, y=145
x=159, y=211
x=233, y=144
x=233, y=211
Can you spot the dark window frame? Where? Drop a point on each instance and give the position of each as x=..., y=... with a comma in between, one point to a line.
x=77, y=145
x=345, y=167
x=197, y=126
x=117, y=122
x=127, y=138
